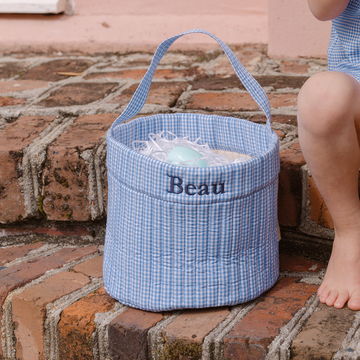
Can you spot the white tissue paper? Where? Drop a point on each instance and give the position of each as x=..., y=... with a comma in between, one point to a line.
x=160, y=145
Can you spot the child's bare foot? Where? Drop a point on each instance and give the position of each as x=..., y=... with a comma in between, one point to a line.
x=341, y=283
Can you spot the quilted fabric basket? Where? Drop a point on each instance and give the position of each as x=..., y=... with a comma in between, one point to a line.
x=180, y=237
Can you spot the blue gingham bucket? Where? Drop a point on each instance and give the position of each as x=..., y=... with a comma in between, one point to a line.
x=170, y=245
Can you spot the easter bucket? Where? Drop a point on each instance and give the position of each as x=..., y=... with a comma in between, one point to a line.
x=191, y=237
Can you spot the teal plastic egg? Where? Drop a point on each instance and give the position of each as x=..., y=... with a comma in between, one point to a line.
x=183, y=153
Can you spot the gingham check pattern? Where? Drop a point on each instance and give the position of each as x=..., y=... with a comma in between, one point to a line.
x=344, y=46
x=167, y=251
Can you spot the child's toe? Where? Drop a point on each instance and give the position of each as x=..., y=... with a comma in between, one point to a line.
x=332, y=298
x=324, y=295
x=354, y=302
x=341, y=300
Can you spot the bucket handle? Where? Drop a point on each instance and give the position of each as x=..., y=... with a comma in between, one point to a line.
x=139, y=98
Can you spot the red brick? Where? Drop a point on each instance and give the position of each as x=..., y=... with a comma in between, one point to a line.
x=81, y=93
x=21, y=85
x=77, y=325
x=285, y=119
x=10, y=69
x=280, y=134
x=236, y=102
x=68, y=255
x=185, y=335
x=293, y=67
x=20, y=275
x=318, y=209
x=29, y=311
x=216, y=82
x=92, y=267
x=9, y=101
x=13, y=139
x=281, y=81
x=161, y=93
x=49, y=71
x=229, y=82
x=128, y=334
x=15, y=252
x=65, y=175
x=137, y=74
x=250, y=338
x=73, y=230
x=323, y=334
x=282, y=100
x=221, y=102
x=282, y=119
x=290, y=186
x=295, y=263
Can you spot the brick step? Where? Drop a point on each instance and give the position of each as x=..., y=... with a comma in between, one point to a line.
x=55, y=112
x=54, y=306
x=54, y=115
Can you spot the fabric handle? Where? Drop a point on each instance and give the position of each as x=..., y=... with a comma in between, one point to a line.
x=139, y=98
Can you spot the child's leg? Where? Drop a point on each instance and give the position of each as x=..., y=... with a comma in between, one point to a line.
x=329, y=133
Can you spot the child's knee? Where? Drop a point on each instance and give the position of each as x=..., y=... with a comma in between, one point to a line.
x=324, y=103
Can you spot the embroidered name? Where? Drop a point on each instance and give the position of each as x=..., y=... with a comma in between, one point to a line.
x=177, y=187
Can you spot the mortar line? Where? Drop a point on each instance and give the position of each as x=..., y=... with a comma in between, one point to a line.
x=351, y=340
x=34, y=156
x=240, y=314
x=7, y=326
x=155, y=339
x=88, y=156
x=100, y=336
x=44, y=251
x=116, y=90
x=99, y=168
x=307, y=277
x=209, y=339
x=308, y=226
x=279, y=347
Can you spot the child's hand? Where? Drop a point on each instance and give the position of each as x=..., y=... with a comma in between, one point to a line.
x=327, y=9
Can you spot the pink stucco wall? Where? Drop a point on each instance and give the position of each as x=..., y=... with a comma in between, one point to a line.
x=118, y=25
x=167, y=7
x=148, y=22
x=294, y=32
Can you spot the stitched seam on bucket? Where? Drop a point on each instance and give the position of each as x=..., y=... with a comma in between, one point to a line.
x=194, y=203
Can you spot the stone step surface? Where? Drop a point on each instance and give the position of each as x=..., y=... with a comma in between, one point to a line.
x=54, y=115
x=54, y=306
